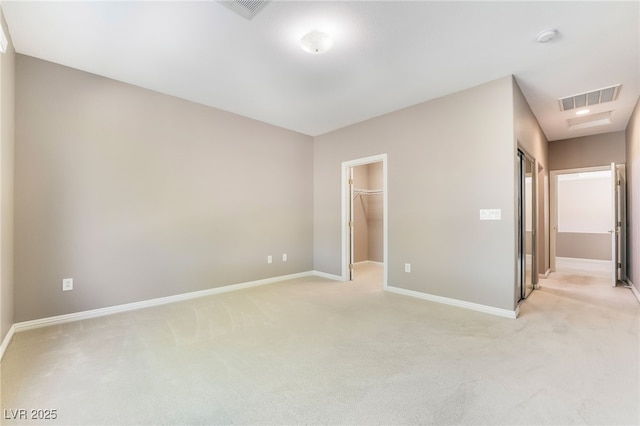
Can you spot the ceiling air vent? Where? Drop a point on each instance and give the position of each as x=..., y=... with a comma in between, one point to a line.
x=594, y=97
x=245, y=8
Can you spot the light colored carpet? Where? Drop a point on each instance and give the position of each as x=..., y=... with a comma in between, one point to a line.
x=314, y=351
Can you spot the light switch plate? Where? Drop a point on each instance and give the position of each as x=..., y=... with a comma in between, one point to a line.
x=490, y=214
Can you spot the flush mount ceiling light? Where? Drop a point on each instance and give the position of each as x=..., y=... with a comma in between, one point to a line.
x=315, y=42
x=547, y=35
x=587, y=121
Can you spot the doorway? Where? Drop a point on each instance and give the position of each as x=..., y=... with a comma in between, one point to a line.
x=588, y=221
x=527, y=263
x=364, y=214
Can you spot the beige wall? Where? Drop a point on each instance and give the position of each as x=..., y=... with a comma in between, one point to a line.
x=447, y=159
x=138, y=195
x=360, y=215
x=376, y=210
x=632, y=145
x=588, y=151
x=531, y=139
x=583, y=245
x=7, y=137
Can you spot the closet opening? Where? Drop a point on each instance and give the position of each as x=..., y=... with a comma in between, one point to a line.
x=364, y=208
x=527, y=260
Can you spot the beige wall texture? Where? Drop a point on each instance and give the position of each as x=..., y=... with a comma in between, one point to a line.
x=360, y=205
x=447, y=159
x=632, y=145
x=138, y=195
x=587, y=151
x=376, y=213
x=7, y=138
x=583, y=245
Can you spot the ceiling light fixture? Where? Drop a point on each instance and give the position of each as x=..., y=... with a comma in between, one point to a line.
x=547, y=35
x=315, y=42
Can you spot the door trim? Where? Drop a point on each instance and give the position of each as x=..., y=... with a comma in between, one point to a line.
x=345, y=196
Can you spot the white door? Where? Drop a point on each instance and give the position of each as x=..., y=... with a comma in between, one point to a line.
x=615, y=225
x=618, y=228
x=351, y=227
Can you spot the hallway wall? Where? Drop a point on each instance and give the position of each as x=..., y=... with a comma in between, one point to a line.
x=587, y=151
x=7, y=147
x=532, y=140
x=632, y=146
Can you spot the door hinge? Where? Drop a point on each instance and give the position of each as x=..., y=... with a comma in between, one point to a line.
x=619, y=265
x=350, y=224
x=350, y=181
x=351, y=266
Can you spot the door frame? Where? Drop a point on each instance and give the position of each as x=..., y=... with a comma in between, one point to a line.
x=521, y=224
x=553, y=205
x=346, y=213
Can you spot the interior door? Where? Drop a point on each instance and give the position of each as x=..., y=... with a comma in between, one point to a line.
x=618, y=229
x=351, y=227
x=614, y=225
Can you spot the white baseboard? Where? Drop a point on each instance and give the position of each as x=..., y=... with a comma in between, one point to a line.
x=546, y=274
x=581, y=260
x=370, y=261
x=6, y=341
x=328, y=276
x=94, y=313
x=634, y=289
x=455, y=302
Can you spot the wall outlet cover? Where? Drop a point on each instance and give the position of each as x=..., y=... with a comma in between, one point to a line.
x=67, y=284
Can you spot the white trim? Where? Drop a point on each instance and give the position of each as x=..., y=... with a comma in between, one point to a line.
x=583, y=260
x=634, y=289
x=346, y=166
x=328, y=276
x=100, y=312
x=546, y=274
x=6, y=341
x=455, y=302
x=375, y=262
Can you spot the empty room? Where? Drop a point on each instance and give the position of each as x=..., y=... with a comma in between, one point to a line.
x=319, y=212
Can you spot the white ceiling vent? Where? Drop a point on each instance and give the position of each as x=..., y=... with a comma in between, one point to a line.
x=594, y=97
x=245, y=8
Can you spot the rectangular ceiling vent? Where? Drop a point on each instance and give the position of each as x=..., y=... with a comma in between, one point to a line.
x=594, y=97
x=245, y=8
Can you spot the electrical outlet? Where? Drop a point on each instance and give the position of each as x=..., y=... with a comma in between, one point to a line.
x=284, y=257
x=269, y=259
x=407, y=267
x=67, y=284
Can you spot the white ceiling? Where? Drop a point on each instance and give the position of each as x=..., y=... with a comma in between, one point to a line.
x=386, y=55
